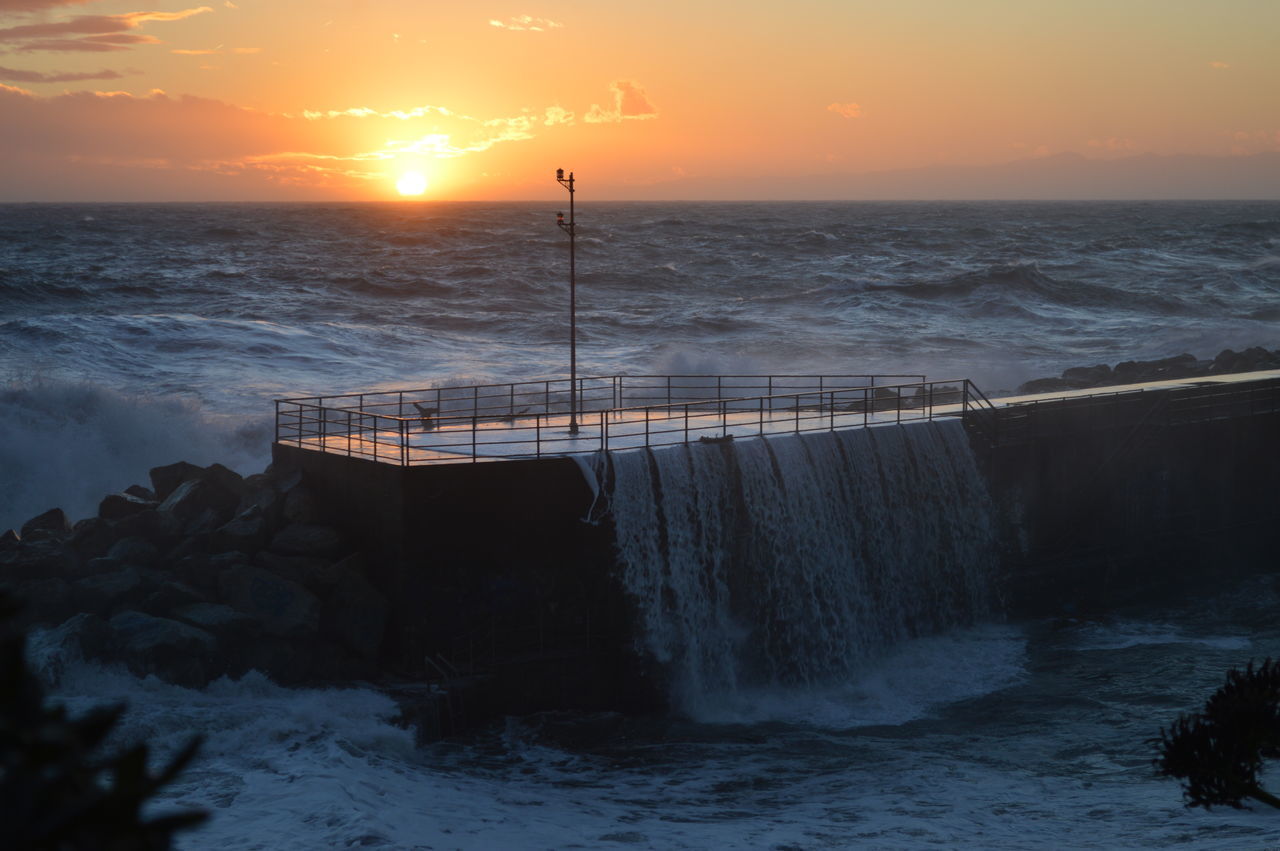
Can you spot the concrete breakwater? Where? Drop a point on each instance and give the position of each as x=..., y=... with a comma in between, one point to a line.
x=479, y=589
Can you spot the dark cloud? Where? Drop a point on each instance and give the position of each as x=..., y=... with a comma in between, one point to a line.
x=17, y=75
x=96, y=32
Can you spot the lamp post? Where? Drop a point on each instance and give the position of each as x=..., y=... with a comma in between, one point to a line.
x=570, y=228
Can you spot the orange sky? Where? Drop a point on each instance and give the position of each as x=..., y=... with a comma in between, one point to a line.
x=337, y=99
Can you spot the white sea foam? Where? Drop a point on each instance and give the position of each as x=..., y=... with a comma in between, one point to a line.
x=66, y=444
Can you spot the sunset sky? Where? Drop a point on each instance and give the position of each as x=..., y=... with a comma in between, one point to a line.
x=339, y=99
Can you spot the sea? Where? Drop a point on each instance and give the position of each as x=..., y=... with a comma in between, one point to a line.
x=133, y=335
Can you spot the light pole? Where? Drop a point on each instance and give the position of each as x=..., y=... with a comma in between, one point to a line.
x=570, y=228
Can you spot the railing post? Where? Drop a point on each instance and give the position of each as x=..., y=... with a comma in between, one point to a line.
x=646, y=425
x=604, y=431
x=668, y=393
x=348, y=432
x=404, y=443
x=474, y=424
x=762, y=411
x=831, y=413
x=375, y=428
x=277, y=438
x=475, y=402
x=686, y=422
x=537, y=435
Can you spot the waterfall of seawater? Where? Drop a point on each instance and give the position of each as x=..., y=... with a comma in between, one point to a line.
x=792, y=559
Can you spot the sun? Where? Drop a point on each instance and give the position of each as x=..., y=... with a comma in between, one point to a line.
x=411, y=183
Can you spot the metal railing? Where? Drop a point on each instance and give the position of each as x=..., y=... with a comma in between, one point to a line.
x=529, y=419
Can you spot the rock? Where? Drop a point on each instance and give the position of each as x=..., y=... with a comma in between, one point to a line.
x=1045, y=385
x=82, y=636
x=282, y=607
x=262, y=496
x=9, y=541
x=53, y=521
x=355, y=615
x=218, y=619
x=169, y=596
x=144, y=494
x=47, y=600
x=201, y=570
x=302, y=539
x=227, y=479
x=301, y=506
x=246, y=532
x=154, y=525
x=1088, y=376
x=195, y=496
x=165, y=480
x=38, y=559
x=117, y=505
x=315, y=574
x=107, y=591
x=885, y=399
x=169, y=649
x=204, y=524
x=92, y=537
x=100, y=565
x=134, y=550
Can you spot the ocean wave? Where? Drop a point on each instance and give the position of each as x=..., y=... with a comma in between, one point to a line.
x=66, y=444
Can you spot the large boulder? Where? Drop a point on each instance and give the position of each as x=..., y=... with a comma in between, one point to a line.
x=117, y=505
x=282, y=607
x=194, y=496
x=159, y=527
x=105, y=592
x=305, y=539
x=169, y=649
x=37, y=559
x=51, y=524
x=92, y=537
x=165, y=480
x=246, y=532
x=134, y=550
x=220, y=620
x=1088, y=376
x=301, y=505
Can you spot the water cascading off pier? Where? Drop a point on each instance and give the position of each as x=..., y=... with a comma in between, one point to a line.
x=793, y=560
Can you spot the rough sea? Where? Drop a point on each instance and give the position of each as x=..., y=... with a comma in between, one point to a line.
x=138, y=335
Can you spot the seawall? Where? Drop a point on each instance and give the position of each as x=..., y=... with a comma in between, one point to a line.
x=510, y=569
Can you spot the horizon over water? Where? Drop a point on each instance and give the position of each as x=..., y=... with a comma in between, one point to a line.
x=133, y=335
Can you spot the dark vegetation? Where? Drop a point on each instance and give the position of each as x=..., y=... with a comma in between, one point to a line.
x=1218, y=753
x=57, y=791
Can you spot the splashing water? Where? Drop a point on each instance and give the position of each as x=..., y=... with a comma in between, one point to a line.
x=791, y=560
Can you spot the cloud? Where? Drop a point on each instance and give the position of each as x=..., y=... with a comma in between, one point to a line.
x=629, y=102
x=19, y=76
x=557, y=115
x=32, y=5
x=211, y=51
x=1219, y=65
x=90, y=32
x=129, y=142
x=848, y=110
x=526, y=23
x=1113, y=143
x=1245, y=142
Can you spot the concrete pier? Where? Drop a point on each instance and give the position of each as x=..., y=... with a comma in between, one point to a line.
x=507, y=569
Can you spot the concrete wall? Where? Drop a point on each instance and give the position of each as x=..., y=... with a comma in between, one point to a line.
x=1111, y=500
x=489, y=567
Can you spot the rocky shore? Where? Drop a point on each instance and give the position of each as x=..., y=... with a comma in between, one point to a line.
x=203, y=574
x=1132, y=372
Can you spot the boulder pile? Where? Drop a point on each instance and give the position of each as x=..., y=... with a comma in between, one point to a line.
x=1133, y=372
x=203, y=574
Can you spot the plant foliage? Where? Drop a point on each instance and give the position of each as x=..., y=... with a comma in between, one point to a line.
x=1218, y=753
x=56, y=790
